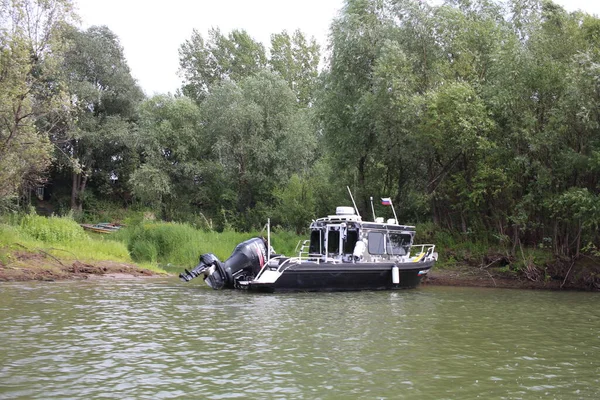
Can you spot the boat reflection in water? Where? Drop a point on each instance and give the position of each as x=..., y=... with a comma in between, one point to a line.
x=343, y=253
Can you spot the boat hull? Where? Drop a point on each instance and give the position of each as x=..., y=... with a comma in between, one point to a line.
x=314, y=277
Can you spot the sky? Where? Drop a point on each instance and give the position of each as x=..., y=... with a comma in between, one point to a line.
x=151, y=31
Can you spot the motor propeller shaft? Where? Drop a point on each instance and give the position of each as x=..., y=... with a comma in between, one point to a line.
x=206, y=261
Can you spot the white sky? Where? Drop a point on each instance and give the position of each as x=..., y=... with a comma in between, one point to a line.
x=151, y=31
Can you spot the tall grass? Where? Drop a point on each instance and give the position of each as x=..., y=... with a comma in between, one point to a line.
x=171, y=245
x=52, y=229
x=59, y=236
x=180, y=245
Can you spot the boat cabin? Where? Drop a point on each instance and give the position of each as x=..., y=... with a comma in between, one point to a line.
x=344, y=237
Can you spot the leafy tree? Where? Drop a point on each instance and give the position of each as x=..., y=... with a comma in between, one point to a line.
x=205, y=64
x=177, y=172
x=259, y=137
x=105, y=97
x=347, y=107
x=30, y=48
x=297, y=60
x=455, y=137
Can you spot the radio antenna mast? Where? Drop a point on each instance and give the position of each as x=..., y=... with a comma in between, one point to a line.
x=373, y=209
x=353, y=202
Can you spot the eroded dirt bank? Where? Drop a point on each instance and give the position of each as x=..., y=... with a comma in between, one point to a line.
x=27, y=266
x=580, y=277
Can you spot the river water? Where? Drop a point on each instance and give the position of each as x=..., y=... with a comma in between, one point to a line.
x=162, y=339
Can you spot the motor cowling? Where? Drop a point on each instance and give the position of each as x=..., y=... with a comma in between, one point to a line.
x=245, y=263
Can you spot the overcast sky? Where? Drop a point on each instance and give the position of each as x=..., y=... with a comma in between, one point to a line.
x=151, y=31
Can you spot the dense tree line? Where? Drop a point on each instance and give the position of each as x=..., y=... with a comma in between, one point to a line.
x=480, y=116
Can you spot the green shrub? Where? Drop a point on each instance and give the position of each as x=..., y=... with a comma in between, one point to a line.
x=143, y=250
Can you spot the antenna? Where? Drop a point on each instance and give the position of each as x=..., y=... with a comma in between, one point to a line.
x=352, y=197
x=373, y=209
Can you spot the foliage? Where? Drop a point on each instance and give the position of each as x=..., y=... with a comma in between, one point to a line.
x=176, y=171
x=222, y=58
x=481, y=116
x=297, y=61
x=481, y=119
x=94, y=141
x=260, y=138
x=30, y=41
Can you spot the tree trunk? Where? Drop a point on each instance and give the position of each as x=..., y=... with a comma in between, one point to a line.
x=361, y=181
x=78, y=187
x=515, y=239
x=74, y=188
x=578, y=242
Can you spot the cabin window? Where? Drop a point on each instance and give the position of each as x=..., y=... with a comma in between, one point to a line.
x=316, y=242
x=333, y=242
x=351, y=239
x=376, y=243
x=398, y=244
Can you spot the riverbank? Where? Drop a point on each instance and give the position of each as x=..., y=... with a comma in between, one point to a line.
x=42, y=266
x=30, y=266
x=473, y=277
x=581, y=275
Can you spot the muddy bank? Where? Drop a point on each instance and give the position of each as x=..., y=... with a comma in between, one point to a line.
x=26, y=266
x=480, y=277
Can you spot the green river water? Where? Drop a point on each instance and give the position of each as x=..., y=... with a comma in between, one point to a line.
x=163, y=339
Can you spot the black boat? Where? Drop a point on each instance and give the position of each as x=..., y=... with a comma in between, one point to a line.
x=343, y=253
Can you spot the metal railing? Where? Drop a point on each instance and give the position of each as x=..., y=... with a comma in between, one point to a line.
x=422, y=251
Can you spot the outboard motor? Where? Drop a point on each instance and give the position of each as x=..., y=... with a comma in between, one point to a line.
x=245, y=263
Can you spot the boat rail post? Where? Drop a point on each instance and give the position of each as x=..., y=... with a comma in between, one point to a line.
x=268, y=240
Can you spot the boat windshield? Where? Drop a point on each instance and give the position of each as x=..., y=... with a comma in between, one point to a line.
x=388, y=243
x=398, y=243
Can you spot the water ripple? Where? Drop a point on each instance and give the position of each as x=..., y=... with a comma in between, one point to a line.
x=161, y=339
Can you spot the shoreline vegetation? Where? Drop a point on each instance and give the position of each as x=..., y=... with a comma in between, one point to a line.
x=40, y=266
x=36, y=248
x=479, y=120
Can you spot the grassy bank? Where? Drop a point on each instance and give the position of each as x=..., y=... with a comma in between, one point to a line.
x=58, y=248
x=52, y=245
x=61, y=246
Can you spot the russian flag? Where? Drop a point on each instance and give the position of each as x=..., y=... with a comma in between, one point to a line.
x=386, y=201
